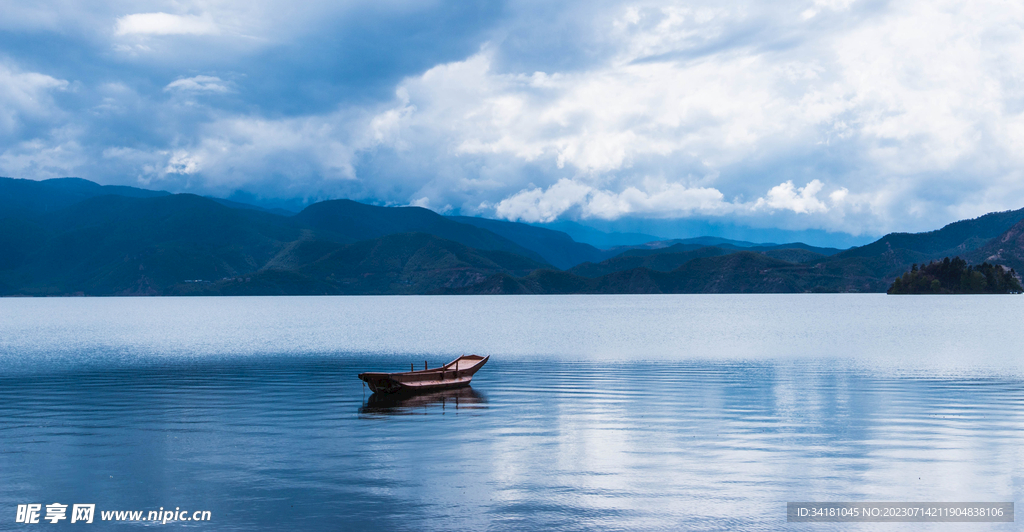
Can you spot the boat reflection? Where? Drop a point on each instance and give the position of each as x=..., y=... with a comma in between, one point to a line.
x=440, y=402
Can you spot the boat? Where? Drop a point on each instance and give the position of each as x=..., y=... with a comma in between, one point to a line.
x=454, y=374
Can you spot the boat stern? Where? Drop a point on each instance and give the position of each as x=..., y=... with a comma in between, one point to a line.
x=380, y=382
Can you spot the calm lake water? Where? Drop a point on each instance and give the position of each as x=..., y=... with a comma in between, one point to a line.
x=594, y=412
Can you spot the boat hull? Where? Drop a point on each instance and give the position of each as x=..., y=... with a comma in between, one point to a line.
x=387, y=385
x=455, y=374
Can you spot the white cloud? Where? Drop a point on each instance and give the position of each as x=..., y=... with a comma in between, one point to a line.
x=25, y=95
x=165, y=24
x=600, y=121
x=819, y=5
x=671, y=200
x=288, y=157
x=663, y=200
x=58, y=154
x=199, y=84
x=536, y=205
x=803, y=200
x=182, y=163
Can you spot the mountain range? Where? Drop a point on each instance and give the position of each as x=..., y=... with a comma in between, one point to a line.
x=74, y=237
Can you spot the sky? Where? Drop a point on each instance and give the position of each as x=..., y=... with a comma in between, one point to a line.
x=850, y=118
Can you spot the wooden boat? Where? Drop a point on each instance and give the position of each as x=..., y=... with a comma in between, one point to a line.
x=451, y=375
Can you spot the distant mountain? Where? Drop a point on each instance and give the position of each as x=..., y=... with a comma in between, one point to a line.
x=556, y=247
x=350, y=221
x=713, y=241
x=743, y=272
x=1006, y=249
x=668, y=258
x=880, y=262
x=954, y=239
x=561, y=251
x=687, y=244
x=406, y=263
x=239, y=205
x=740, y=272
x=71, y=236
x=655, y=246
x=597, y=238
x=996, y=237
x=185, y=244
x=796, y=255
x=116, y=245
x=663, y=262
x=19, y=197
x=648, y=229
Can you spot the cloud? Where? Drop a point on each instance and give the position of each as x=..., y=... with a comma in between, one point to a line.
x=659, y=200
x=198, y=84
x=803, y=200
x=819, y=5
x=536, y=205
x=668, y=201
x=57, y=154
x=672, y=200
x=182, y=162
x=281, y=158
x=165, y=24
x=25, y=96
x=831, y=114
x=600, y=121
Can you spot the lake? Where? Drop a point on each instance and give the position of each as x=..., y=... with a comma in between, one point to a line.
x=698, y=412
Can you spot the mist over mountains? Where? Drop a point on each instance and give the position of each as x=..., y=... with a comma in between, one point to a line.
x=63, y=237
